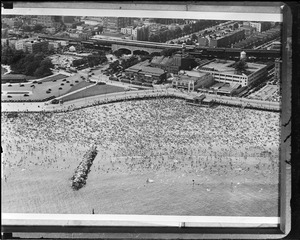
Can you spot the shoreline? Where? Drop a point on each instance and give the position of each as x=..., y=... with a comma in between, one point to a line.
x=170, y=145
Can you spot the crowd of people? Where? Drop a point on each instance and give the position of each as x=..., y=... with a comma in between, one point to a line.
x=159, y=134
x=154, y=144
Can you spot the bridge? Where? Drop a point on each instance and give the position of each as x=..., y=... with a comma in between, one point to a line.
x=132, y=46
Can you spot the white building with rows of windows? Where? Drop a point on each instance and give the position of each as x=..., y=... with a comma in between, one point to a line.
x=224, y=71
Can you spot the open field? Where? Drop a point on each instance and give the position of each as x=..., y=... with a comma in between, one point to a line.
x=94, y=91
x=202, y=161
x=53, y=78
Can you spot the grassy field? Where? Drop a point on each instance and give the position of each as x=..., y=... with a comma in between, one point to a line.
x=235, y=170
x=94, y=91
x=56, y=77
x=79, y=86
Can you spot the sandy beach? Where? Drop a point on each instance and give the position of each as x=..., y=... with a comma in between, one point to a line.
x=200, y=161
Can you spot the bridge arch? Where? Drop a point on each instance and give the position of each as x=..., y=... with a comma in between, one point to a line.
x=125, y=50
x=141, y=52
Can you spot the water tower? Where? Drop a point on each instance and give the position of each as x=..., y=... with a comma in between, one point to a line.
x=243, y=56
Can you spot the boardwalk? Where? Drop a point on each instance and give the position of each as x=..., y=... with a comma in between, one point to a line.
x=112, y=97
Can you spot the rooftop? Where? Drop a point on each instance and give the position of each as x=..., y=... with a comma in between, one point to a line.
x=227, y=66
x=194, y=73
x=145, y=69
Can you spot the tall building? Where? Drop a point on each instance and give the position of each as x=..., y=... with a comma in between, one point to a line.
x=47, y=21
x=36, y=46
x=141, y=33
x=127, y=30
x=248, y=30
x=31, y=45
x=20, y=44
x=114, y=24
x=260, y=26
x=226, y=39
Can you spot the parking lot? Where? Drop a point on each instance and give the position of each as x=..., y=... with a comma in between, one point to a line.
x=39, y=90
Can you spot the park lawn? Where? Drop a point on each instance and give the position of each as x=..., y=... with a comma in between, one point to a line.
x=79, y=86
x=55, y=77
x=93, y=91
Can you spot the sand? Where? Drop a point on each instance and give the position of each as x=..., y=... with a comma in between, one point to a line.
x=221, y=161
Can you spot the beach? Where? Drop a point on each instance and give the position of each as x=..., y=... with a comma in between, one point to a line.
x=201, y=161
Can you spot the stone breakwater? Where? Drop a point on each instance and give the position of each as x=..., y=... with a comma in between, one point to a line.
x=81, y=173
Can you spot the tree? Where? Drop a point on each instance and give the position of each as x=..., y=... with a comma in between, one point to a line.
x=194, y=37
x=27, y=28
x=168, y=52
x=154, y=54
x=38, y=28
x=78, y=62
x=189, y=42
x=178, y=32
x=44, y=69
x=154, y=38
x=186, y=29
x=118, y=53
x=236, y=25
x=240, y=66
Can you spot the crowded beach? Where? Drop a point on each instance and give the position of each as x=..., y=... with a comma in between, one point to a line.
x=146, y=147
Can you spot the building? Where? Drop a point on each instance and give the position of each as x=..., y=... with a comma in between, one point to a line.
x=174, y=63
x=225, y=71
x=50, y=30
x=81, y=35
x=141, y=33
x=114, y=24
x=36, y=46
x=226, y=39
x=47, y=21
x=19, y=44
x=92, y=22
x=259, y=38
x=9, y=22
x=224, y=88
x=54, y=45
x=202, y=41
x=260, y=26
x=248, y=30
x=127, y=30
x=275, y=46
x=31, y=45
x=143, y=73
x=192, y=80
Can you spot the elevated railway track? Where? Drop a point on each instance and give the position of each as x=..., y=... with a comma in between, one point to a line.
x=193, y=50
